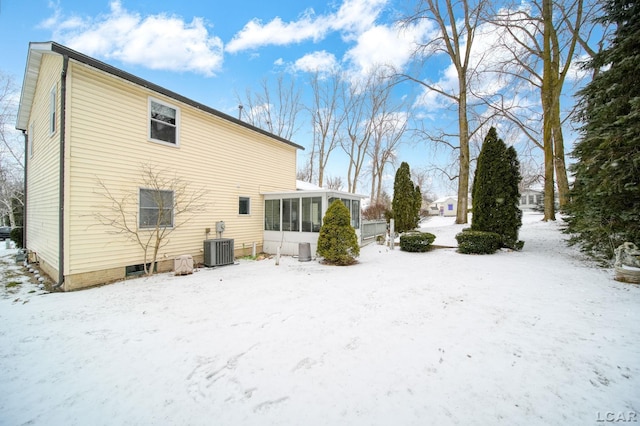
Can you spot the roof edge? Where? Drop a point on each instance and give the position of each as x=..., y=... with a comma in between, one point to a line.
x=36, y=49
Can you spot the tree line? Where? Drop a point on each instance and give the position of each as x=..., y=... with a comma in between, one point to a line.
x=509, y=65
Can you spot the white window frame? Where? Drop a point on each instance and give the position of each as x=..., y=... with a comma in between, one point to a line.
x=149, y=119
x=140, y=207
x=53, y=94
x=248, y=199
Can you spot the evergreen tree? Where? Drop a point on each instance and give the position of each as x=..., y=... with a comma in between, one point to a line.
x=495, y=191
x=405, y=211
x=512, y=200
x=604, y=210
x=418, y=205
x=337, y=242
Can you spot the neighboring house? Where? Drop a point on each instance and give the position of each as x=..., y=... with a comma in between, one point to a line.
x=531, y=199
x=446, y=206
x=85, y=121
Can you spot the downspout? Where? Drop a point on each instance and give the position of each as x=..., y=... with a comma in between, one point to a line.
x=24, y=190
x=63, y=105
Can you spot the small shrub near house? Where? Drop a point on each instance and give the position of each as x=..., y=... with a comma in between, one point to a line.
x=478, y=242
x=416, y=242
x=16, y=237
x=337, y=242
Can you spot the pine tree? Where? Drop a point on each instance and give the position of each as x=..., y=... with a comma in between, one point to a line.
x=337, y=242
x=495, y=191
x=604, y=210
x=405, y=208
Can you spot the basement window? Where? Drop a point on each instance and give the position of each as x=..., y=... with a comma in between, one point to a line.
x=136, y=270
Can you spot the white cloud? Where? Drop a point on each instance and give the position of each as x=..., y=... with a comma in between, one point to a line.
x=352, y=18
x=276, y=32
x=320, y=61
x=156, y=41
x=383, y=45
x=356, y=16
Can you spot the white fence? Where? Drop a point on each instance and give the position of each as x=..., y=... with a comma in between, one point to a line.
x=372, y=228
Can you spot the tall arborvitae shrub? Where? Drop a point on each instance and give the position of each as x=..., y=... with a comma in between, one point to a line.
x=604, y=210
x=337, y=242
x=513, y=212
x=495, y=191
x=406, y=210
x=418, y=204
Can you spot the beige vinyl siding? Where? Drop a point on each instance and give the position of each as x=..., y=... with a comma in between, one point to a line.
x=43, y=168
x=108, y=141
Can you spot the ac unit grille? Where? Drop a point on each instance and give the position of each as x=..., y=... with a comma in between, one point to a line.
x=218, y=252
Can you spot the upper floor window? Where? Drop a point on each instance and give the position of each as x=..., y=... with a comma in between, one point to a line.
x=52, y=110
x=163, y=122
x=156, y=208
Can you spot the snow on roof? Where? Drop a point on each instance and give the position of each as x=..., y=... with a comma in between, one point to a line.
x=443, y=199
x=306, y=186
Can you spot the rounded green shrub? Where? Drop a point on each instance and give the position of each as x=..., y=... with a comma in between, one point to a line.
x=337, y=242
x=416, y=242
x=16, y=237
x=478, y=242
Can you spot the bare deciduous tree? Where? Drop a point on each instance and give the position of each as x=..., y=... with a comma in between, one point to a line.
x=11, y=194
x=457, y=25
x=326, y=119
x=172, y=203
x=359, y=108
x=11, y=152
x=274, y=109
x=334, y=183
x=543, y=39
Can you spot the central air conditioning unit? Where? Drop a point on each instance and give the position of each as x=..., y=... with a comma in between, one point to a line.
x=218, y=252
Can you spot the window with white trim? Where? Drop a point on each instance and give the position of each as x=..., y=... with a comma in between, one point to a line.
x=156, y=209
x=291, y=214
x=272, y=215
x=52, y=109
x=163, y=122
x=244, y=205
x=311, y=214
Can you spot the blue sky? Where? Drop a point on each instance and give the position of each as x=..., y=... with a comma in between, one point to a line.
x=211, y=51
x=232, y=46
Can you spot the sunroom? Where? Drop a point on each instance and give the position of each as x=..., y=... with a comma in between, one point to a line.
x=295, y=217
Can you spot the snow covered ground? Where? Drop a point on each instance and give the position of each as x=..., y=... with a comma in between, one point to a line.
x=515, y=338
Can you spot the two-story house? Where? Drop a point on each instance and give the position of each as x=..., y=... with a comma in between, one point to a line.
x=91, y=128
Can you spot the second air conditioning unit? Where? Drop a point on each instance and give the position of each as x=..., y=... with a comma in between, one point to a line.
x=218, y=252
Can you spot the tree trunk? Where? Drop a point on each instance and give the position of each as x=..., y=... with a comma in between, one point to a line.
x=548, y=108
x=463, y=175
x=379, y=189
x=559, y=162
